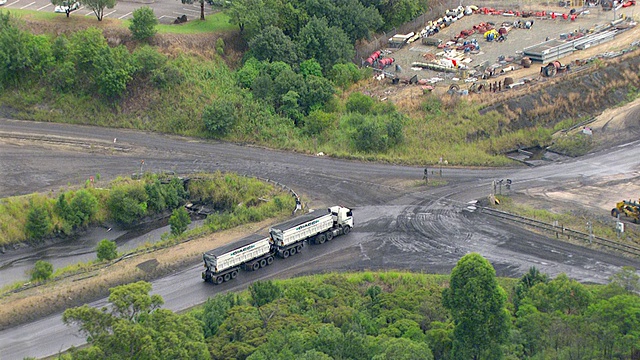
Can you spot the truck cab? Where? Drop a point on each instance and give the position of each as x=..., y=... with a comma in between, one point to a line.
x=342, y=216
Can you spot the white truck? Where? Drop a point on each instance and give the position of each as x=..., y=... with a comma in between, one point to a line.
x=318, y=226
x=251, y=253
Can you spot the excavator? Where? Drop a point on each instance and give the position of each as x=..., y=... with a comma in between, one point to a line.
x=630, y=209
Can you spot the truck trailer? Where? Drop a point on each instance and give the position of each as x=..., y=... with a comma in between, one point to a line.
x=318, y=227
x=251, y=253
x=257, y=251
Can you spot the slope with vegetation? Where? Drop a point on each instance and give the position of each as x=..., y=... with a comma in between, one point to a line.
x=389, y=315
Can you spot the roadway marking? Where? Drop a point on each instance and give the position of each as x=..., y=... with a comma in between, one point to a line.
x=127, y=14
x=40, y=8
x=89, y=13
x=28, y=5
x=105, y=15
x=15, y=2
x=192, y=10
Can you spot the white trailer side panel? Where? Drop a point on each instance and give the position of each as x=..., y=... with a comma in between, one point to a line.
x=308, y=229
x=240, y=255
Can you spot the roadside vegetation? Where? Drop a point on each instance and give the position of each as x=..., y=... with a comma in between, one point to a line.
x=288, y=92
x=235, y=200
x=377, y=315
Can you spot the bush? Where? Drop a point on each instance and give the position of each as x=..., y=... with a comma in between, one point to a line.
x=219, y=117
x=143, y=24
x=166, y=76
x=83, y=208
x=38, y=221
x=359, y=102
x=220, y=46
x=179, y=221
x=147, y=60
x=127, y=206
x=41, y=271
x=106, y=250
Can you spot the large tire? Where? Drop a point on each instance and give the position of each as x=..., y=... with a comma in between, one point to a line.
x=219, y=280
x=299, y=248
x=346, y=229
x=234, y=274
x=329, y=235
x=227, y=277
x=270, y=260
x=615, y=212
x=255, y=266
x=320, y=239
x=285, y=254
x=292, y=251
x=263, y=263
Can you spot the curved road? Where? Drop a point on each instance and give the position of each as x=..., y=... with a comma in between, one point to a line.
x=400, y=224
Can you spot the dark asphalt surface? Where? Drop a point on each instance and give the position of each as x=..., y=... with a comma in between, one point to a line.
x=400, y=224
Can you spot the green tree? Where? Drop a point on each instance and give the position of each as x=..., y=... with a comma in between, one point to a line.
x=251, y=16
x=403, y=349
x=561, y=294
x=310, y=67
x=98, y=6
x=527, y=281
x=127, y=205
x=248, y=72
x=219, y=117
x=271, y=44
x=477, y=305
x=329, y=45
x=67, y=4
x=627, y=279
x=106, y=250
x=215, y=311
x=38, y=223
x=616, y=323
x=343, y=75
x=41, y=271
x=143, y=24
x=83, y=208
x=179, y=221
x=115, y=67
x=359, y=102
x=318, y=122
x=156, y=201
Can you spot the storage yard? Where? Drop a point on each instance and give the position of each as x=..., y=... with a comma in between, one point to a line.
x=475, y=49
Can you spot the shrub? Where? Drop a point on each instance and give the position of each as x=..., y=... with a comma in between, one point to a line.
x=179, y=221
x=127, y=206
x=83, y=208
x=147, y=60
x=38, y=221
x=219, y=117
x=359, y=102
x=220, y=46
x=41, y=271
x=106, y=250
x=143, y=24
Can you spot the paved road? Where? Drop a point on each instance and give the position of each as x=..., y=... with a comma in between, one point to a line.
x=165, y=10
x=400, y=224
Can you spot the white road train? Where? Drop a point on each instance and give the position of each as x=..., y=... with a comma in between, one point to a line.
x=286, y=239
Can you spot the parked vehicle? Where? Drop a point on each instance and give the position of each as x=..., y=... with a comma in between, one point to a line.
x=286, y=239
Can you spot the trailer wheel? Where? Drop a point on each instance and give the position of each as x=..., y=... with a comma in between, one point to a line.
x=346, y=229
x=285, y=254
x=329, y=235
x=615, y=212
x=255, y=266
x=227, y=277
x=234, y=274
x=299, y=248
x=320, y=239
x=292, y=251
x=270, y=260
x=219, y=280
x=263, y=263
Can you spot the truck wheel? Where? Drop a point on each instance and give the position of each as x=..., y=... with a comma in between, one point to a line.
x=263, y=263
x=285, y=254
x=346, y=229
x=227, y=277
x=234, y=274
x=320, y=239
x=615, y=212
x=292, y=251
x=255, y=266
x=219, y=280
x=270, y=260
x=299, y=248
x=329, y=235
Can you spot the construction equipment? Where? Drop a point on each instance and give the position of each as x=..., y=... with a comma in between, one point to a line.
x=630, y=209
x=554, y=67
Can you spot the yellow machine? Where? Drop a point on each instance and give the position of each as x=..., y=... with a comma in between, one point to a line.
x=629, y=209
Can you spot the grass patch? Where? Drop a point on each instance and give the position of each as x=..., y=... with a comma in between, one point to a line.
x=213, y=23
